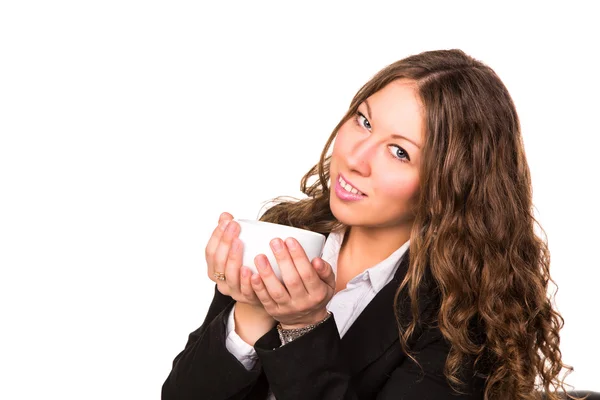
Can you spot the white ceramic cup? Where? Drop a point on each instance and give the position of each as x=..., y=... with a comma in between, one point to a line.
x=257, y=235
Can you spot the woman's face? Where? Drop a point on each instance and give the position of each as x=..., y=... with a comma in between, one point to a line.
x=378, y=152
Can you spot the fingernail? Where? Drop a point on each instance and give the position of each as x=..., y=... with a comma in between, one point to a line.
x=231, y=227
x=291, y=243
x=245, y=272
x=262, y=264
x=223, y=225
x=276, y=244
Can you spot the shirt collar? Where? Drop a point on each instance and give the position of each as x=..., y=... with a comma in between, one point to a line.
x=379, y=275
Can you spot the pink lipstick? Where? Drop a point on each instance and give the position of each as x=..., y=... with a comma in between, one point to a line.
x=345, y=195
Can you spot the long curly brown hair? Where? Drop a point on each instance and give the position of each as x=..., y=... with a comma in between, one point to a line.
x=474, y=228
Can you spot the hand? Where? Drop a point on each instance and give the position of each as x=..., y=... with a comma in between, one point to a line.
x=308, y=286
x=224, y=255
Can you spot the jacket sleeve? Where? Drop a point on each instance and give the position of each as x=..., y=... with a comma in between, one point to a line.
x=205, y=369
x=312, y=367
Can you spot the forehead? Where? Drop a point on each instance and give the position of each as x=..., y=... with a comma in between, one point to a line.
x=397, y=109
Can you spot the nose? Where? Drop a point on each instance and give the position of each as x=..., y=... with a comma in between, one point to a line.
x=360, y=157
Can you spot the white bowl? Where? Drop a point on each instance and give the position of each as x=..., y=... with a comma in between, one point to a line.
x=257, y=235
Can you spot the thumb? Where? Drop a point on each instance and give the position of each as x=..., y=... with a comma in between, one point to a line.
x=324, y=271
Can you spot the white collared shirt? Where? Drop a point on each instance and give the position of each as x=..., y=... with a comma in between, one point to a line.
x=346, y=305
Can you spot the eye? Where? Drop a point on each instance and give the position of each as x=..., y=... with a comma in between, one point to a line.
x=362, y=121
x=398, y=152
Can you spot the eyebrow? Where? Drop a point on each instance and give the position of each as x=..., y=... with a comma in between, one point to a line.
x=395, y=135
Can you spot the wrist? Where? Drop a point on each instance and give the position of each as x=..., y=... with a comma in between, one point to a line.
x=311, y=320
x=287, y=335
x=257, y=311
x=252, y=322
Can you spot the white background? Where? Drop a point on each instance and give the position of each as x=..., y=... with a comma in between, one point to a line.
x=128, y=126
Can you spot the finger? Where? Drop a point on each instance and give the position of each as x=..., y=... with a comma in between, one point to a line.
x=274, y=287
x=261, y=292
x=224, y=246
x=246, y=285
x=289, y=273
x=211, y=247
x=324, y=271
x=306, y=272
x=233, y=264
x=225, y=217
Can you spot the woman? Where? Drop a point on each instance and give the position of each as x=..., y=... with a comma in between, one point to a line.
x=432, y=283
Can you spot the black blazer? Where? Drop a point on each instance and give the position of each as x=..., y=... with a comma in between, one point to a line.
x=367, y=363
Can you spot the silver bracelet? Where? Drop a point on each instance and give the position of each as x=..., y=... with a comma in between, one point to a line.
x=288, y=335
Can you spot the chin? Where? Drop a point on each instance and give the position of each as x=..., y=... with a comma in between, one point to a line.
x=349, y=216
x=335, y=208
x=344, y=214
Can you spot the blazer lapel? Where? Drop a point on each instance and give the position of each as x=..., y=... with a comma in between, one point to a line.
x=375, y=329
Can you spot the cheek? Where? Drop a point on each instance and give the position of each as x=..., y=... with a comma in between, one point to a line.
x=341, y=141
x=401, y=188
x=340, y=147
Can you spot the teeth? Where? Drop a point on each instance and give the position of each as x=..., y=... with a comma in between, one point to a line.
x=348, y=187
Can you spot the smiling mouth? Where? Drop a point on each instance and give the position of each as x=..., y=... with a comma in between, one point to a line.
x=348, y=187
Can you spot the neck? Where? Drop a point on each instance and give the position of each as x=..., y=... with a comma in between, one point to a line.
x=365, y=247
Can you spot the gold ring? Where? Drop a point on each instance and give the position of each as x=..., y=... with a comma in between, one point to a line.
x=220, y=276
